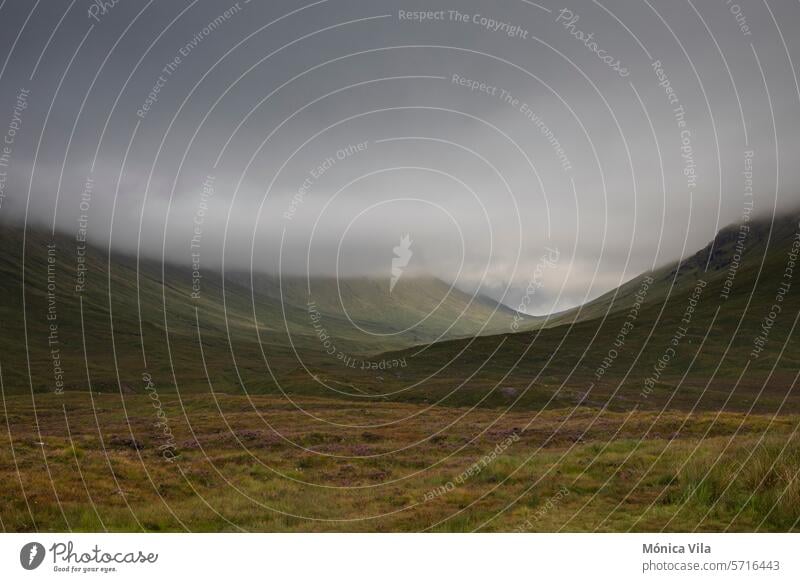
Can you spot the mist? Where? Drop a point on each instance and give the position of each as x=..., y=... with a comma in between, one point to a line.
x=310, y=139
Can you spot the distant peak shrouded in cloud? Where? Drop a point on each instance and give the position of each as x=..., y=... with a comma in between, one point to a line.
x=310, y=139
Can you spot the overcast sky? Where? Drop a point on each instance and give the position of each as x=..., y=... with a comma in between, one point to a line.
x=312, y=137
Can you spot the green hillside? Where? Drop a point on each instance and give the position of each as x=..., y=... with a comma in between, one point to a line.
x=357, y=337
x=120, y=317
x=708, y=318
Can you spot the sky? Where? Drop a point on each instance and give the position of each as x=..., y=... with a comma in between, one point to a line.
x=572, y=145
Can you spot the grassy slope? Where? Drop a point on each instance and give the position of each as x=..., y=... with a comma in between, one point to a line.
x=154, y=306
x=765, y=239
x=561, y=362
x=427, y=305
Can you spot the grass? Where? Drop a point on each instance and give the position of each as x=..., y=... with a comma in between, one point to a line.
x=270, y=472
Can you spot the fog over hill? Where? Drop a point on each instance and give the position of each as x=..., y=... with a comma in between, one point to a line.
x=310, y=139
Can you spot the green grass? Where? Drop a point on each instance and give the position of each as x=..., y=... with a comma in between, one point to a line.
x=731, y=471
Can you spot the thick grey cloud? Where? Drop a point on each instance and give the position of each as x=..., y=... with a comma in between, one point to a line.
x=488, y=136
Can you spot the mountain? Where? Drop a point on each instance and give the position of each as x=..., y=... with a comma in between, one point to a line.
x=119, y=316
x=735, y=247
x=715, y=330
x=730, y=347
x=418, y=309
